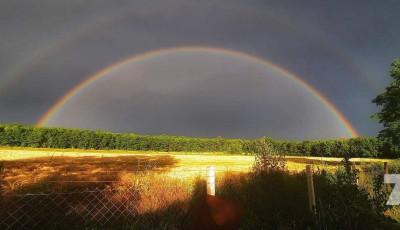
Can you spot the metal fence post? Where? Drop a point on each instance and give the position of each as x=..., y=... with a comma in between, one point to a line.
x=310, y=184
x=211, y=181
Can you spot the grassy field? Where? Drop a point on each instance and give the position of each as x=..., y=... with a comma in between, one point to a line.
x=164, y=180
x=29, y=169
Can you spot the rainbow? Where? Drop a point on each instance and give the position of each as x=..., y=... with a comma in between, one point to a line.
x=51, y=47
x=15, y=74
x=81, y=86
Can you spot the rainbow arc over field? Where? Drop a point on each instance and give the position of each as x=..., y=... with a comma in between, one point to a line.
x=81, y=86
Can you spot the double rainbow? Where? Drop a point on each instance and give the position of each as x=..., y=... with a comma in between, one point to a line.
x=81, y=86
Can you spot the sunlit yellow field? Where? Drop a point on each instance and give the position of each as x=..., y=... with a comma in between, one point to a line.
x=159, y=178
x=27, y=168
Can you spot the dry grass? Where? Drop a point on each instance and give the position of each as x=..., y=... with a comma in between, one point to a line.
x=71, y=173
x=30, y=170
x=131, y=185
x=159, y=180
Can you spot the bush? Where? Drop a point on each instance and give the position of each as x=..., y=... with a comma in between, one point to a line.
x=277, y=199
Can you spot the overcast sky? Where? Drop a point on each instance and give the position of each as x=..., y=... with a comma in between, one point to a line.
x=343, y=49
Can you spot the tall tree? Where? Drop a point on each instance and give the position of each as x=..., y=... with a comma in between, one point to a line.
x=389, y=116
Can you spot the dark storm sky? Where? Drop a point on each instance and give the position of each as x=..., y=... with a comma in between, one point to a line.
x=341, y=48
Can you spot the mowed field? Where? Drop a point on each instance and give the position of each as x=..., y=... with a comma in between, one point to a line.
x=27, y=170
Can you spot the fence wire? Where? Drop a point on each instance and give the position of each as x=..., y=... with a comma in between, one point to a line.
x=88, y=209
x=146, y=202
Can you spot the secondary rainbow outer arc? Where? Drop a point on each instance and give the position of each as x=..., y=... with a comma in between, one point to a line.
x=81, y=86
x=16, y=73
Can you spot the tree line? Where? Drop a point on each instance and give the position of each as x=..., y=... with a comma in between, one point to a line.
x=45, y=137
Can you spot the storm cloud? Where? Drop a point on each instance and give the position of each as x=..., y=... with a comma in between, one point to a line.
x=343, y=50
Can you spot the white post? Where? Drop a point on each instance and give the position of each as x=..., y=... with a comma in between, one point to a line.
x=210, y=181
x=353, y=168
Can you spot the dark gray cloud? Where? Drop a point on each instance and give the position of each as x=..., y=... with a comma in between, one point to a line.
x=344, y=50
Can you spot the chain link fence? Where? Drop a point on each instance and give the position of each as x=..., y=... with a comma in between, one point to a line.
x=142, y=200
x=92, y=209
x=146, y=199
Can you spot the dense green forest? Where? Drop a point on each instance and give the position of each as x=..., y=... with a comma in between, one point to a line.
x=43, y=137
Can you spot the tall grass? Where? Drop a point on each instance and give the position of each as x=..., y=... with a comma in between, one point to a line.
x=273, y=197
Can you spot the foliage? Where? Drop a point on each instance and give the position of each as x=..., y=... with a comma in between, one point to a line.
x=380, y=194
x=341, y=204
x=44, y=137
x=389, y=116
x=2, y=175
x=276, y=199
x=267, y=159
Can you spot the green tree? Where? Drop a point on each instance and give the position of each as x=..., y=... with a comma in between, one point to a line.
x=389, y=116
x=306, y=147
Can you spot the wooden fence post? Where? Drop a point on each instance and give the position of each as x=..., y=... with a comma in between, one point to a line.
x=310, y=183
x=211, y=181
x=386, y=165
